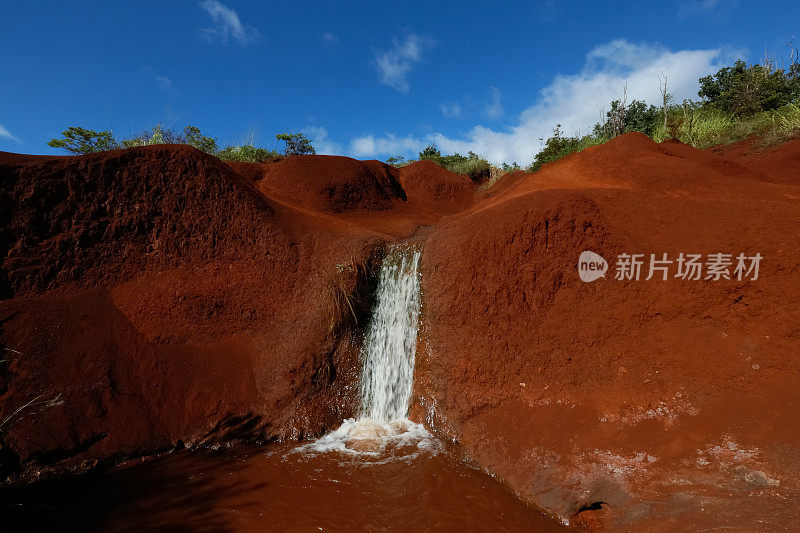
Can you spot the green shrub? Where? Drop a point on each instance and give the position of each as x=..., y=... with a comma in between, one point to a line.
x=81, y=141
x=636, y=116
x=191, y=135
x=559, y=146
x=247, y=153
x=472, y=165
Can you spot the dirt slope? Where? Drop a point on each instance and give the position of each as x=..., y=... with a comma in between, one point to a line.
x=162, y=299
x=671, y=400
x=777, y=164
x=431, y=185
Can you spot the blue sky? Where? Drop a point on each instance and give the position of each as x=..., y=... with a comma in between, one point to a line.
x=366, y=79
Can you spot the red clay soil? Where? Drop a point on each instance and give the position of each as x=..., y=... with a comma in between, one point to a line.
x=167, y=298
x=433, y=186
x=332, y=183
x=637, y=405
x=342, y=192
x=164, y=300
x=778, y=164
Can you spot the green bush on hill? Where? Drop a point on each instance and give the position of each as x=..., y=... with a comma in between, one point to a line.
x=247, y=153
x=636, y=116
x=78, y=140
x=737, y=102
x=472, y=165
x=559, y=146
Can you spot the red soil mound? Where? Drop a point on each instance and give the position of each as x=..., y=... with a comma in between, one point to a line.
x=156, y=293
x=777, y=164
x=621, y=394
x=102, y=216
x=332, y=183
x=431, y=185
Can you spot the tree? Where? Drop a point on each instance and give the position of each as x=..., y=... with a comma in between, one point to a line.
x=296, y=144
x=84, y=141
x=397, y=161
x=748, y=89
x=430, y=153
x=665, y=98
x=636, y=116
x=193, y=137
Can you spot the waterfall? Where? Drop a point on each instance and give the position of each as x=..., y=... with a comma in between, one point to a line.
x=387, y=374
x=390, y=345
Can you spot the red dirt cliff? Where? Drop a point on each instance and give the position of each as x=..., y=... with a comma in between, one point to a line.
x=666, y=403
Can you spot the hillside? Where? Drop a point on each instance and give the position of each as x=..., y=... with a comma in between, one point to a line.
x=660, y=398
x=166, y=299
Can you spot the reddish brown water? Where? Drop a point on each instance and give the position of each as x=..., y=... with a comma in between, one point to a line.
x=275, y=488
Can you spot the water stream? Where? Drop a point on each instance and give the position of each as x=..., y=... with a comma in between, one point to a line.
x=387, y=375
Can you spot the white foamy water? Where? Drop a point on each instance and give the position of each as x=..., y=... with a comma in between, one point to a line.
x=387, y=374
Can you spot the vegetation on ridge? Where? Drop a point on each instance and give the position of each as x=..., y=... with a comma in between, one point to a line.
x=80, y=141
x=736, y=102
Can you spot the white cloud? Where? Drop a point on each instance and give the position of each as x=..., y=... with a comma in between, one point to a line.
x=494, y=109
x=227, y=25
x=369, y=145
x=450, y=110
x=323, y=144
x=395, y=64
x=5, y=134
x=575, y=101
x=164, y=82
x=330, y=38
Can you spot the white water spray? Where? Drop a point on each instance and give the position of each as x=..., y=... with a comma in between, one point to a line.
x=387, y=374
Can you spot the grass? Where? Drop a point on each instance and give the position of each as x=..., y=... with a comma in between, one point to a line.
x=700, y=127
x=340, y=291
x=711, y=127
